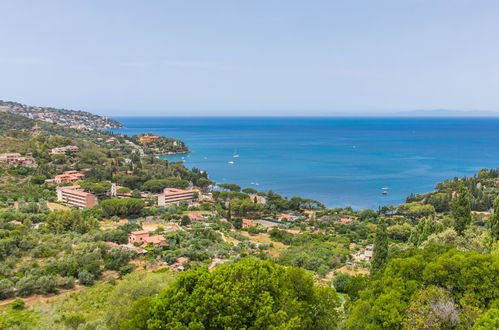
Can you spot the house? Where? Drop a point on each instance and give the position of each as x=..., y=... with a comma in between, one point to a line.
x=179, y=263
x=258, y=199
x=155, y=241
x=111, y=139
x=15, y=222
x=142, y=238
x=17, y=159
x=137, y=236
x=248, y=223
x=69, y=177
x=147, y=138
x=63, y=150
x=345, y=221
x=287, y=216
x=193, y=217
x=75, y=196
x=173, y=196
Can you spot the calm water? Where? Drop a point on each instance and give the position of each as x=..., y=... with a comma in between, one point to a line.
x=339, y=161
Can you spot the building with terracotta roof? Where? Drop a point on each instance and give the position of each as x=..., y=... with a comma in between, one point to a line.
x=143, y=239
x=69, y=177
x=248, y=223
x=15, y=158
x=173, y=196
x=147, y=138
x=345, y=221
x=258, y=199
x=63, y=150
x=75, y=196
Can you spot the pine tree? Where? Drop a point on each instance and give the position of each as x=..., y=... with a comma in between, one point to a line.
x=380, y=253
x=461, y=209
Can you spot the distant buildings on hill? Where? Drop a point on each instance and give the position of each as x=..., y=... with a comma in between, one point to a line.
x=16, y=159
x=64, y=150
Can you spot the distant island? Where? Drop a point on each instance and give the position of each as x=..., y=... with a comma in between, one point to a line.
x=446, y=113
x=62, y=117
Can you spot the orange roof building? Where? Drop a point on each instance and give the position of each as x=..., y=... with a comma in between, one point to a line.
x=248, y=223
x=147, y=138
x=142, y=238
x=69, y=177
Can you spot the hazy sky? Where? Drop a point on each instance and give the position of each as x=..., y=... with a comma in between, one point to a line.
x=252, y=57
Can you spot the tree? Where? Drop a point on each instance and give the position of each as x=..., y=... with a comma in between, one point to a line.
x=185, y=221
x=250, y=191
x=230, y=186
x=116, y=258
x=61, y=221
x=461, y=209
x=469, y=278
x=340, y=282
x=250, y=294
x=132, y=288
x=432, y=308
x=6, y=289
x=494, y=221
x=400, y=232
x=423, y=230
x=122, y=206
x=380, y=252
x=85, y=277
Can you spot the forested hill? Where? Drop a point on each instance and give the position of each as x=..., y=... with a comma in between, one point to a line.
x=13, y=125
x=62, y=117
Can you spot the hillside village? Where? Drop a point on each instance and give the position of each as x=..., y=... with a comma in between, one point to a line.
x=62, y=117
x=83, y=211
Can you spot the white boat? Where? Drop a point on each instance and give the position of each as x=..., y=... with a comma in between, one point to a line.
x=235, y=156
x=231, y=162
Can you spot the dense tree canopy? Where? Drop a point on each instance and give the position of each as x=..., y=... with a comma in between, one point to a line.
x=122, y=207
x=467, y=281
x=248, y=294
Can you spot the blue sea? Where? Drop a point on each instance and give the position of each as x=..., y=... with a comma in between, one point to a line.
x=338, y=161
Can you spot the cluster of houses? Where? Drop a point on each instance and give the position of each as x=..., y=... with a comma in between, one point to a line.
x=64, y=150
x=76, y=196
x=16, y=159
x=363, y=254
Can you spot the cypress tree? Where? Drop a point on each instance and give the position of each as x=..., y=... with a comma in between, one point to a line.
x=494, y=221
x=461, y=209
x=380, y=253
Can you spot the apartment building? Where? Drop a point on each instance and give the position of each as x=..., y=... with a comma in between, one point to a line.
x=75, y=196
x=173, y=196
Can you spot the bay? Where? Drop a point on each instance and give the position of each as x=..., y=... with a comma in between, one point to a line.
x=338, y=161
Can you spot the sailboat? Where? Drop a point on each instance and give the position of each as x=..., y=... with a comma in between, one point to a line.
x=235, y=155
x=231, y=162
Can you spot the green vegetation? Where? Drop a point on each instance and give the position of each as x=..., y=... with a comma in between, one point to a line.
x=246, y=294
x=435, y=287
x=243, y=262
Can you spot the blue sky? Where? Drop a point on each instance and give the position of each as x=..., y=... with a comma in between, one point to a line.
x=258, y=57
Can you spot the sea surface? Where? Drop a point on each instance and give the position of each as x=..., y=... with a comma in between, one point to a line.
x=338, y=161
